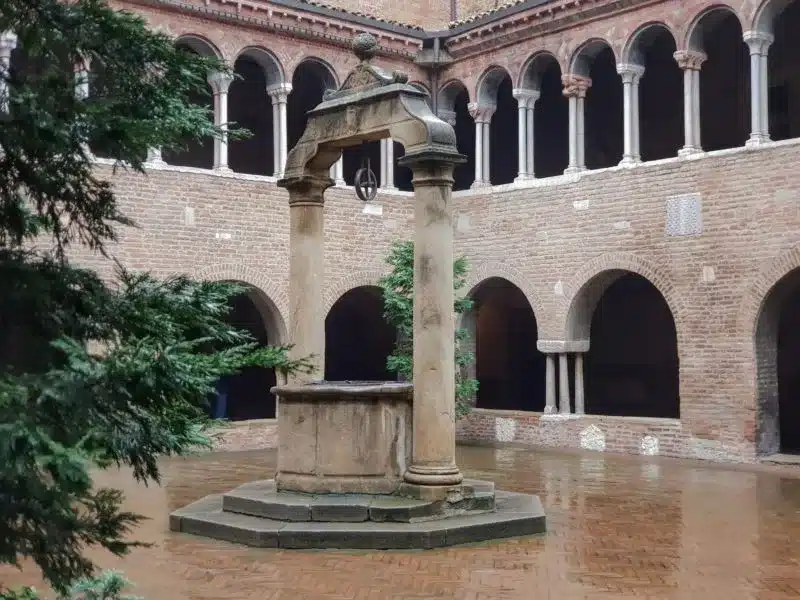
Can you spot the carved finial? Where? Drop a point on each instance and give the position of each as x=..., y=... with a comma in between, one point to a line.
x=364, y=46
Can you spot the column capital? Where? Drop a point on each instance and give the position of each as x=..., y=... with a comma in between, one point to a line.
x=758, y=41
x=575, y=85
x=482, y=113
x=690, y=60
x=279, y=92
x=525, y=97
x=630, y=73
x=307, y=189
x=8, y=41
x=220, y=82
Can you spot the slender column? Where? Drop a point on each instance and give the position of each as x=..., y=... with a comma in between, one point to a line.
x=8, y=41
x=483, y=119
x=337, y=172
x=306, y=271
x=631, y=75
x=691, y=62
x=759, y=44
x=220, y=82
x=563, y=384
x=575, y=88
x=154, y=157
x=82, y=79
x=525, y=102
x=433, y=459
x=530, y=136
x=279, y=94
x=387, y=164
x=550, y=385
x=579, y=395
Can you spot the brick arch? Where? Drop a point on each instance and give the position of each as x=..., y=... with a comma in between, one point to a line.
x=632, y=51
x=340, y=287
x=582, y=56
x=690, y=38
x=275, y=299
x=486, y=270
x=592, y=272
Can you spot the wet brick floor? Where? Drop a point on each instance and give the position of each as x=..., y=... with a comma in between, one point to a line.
x=619, y=527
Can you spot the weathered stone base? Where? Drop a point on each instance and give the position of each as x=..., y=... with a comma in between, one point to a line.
x=255, y=514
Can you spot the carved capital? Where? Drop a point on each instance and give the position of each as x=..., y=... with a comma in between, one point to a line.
x=758, y=42
x=630, y=73
x=525, y=97
x=306, y=190
x=279, y=93
x=575, y=85
x=220, y=82
x=482, y=113
x=690, y=60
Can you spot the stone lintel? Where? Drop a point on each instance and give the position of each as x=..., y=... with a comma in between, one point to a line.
x=562, y=346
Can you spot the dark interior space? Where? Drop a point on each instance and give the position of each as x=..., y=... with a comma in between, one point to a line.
x=503, y=135
x=195, y=153
x=660, y=96
x=250, y=107
x=361, y=155
x=246, y=395
x=784, y=75
x=631, y=369
x=309, y=82
x=402, y=175
x=550, y=124
x=357, y=338
x=789, y=369
x=509, y=368
x=724, y=83
x=604, y=112
x=464, y=174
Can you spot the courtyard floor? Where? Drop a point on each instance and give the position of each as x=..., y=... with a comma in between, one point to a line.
x=619, y=527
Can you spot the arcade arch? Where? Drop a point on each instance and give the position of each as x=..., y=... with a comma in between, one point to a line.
x=496, y=111
x=454, y=108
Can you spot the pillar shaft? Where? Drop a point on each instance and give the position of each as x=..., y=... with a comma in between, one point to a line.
x=575, y=88
x=563, y=384
x=483, y=118
x=220, y=83
x=631, y=75
x=433, y=459
x=550, y=385
x=691, y=62
x=387, y=164
x=759, y=44
x=279, y=95
x=580, y=403
x=526, y=100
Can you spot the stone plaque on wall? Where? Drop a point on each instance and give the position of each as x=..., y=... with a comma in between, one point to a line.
x=684, y=215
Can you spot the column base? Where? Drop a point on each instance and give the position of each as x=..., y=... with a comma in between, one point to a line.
x=689, y=151
x=339, y=183
x=447, y=475
x=757, y=140
x=223, y=170
x=525, y=177
x=574, y=169
x=630, y=161
x=549, y=410
x=476, y=185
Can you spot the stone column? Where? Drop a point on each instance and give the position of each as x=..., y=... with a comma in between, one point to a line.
x=526, y=99
x=433, y=460
x=579, y=395
x=759, y=44
x=279, y=94
x=550, y=385
x=306, y=271
x=575, y=88
x=631, y=75
x=387, y=164
x=563, y=384
x=337, y=172
x=220, y=82
x=154, y=157
x=691, y=62
x=8, y=41
x=483, y=118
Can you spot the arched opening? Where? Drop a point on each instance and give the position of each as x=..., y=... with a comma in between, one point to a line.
x=632, y=366
x=777, y=349
x=660, y=93
x=250, y=107
x=509, y=369
x=782, y=18
x=724, y=80
x=246, y=395
x=603, y=106
x=357, y=338
x=550, y=116
x=496, y=89
x=453, y=107
x=195, y=153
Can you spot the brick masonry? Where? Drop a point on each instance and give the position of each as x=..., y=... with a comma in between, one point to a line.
x=549, y=237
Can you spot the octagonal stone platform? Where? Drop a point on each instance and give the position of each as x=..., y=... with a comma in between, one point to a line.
x=257, y=514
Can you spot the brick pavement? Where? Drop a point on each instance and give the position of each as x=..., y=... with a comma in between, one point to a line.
x=619, y=528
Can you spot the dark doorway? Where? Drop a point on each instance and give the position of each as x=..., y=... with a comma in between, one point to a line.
x=509, y=368
x=550, y=123
x=250, y=108
x=632, y=365
x=604, y=112
x=503, y=133
x=789, y=371
x=357, y=338
x=784, y=74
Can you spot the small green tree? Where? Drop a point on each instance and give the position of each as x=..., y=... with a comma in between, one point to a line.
x=398, y=305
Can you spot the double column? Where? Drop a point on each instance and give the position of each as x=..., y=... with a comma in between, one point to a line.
x=220, y=83
x=690, y=63
x=279, y=94
x=557, y=388
x=526, y=100
x=482, y=114
x=758, y=43
x=575, y=88
x=631, y=75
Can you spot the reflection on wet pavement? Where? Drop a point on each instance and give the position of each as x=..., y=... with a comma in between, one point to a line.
x=619, y=527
